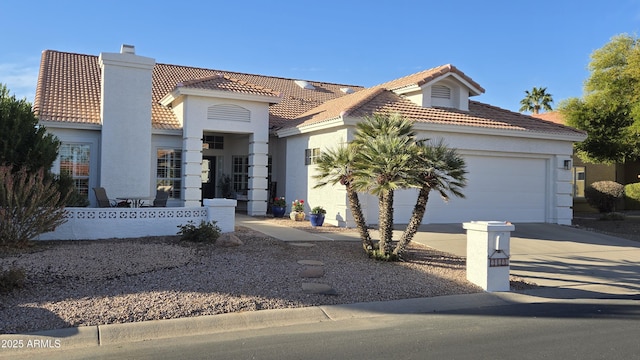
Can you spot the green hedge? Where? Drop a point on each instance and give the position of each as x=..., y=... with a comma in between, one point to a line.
x=632, y=196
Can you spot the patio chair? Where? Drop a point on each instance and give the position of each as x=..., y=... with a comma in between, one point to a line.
x=103, y=199
x=162, y=194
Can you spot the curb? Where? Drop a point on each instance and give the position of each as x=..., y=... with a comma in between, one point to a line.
x=110, y=334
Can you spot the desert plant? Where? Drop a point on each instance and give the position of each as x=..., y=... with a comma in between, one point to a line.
x=632, y=196
x=30, y=204
x=604, y=195
x=318, y=210
x=11, y=279
x=206, y=232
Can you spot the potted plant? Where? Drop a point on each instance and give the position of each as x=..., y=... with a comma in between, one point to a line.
x=279, y=207
x=316, y=217
x=297, y=210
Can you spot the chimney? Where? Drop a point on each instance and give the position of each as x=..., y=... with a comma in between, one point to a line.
x=125, y=112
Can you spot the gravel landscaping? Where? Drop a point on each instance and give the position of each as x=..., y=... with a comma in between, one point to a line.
x=82, y=283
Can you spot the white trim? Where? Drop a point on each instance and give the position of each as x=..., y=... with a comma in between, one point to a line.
x=70, y=125
x=182, y=91
x=465, y=129
x=320, y=125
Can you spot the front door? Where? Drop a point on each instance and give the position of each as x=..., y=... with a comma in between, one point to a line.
x=208, y=177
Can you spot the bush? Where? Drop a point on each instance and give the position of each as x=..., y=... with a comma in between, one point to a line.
x=11, y=279
x=612, y=216
x=30, y=204
x=604, y=195
x=206, y=232
x=632, y=196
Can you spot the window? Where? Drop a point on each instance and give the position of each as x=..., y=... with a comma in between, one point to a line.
x=240, y=174
x=169, y=171
x=311, y=156
x=213, y=142
x=578, y=181
x=74, y=161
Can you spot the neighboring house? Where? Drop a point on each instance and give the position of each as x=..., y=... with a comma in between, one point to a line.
x=584, y=174
x=130, y=124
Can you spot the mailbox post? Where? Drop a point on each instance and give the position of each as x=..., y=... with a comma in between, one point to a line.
x=488, y=252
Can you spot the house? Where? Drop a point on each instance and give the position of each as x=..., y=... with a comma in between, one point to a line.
x=130, y=124
x=584, y=174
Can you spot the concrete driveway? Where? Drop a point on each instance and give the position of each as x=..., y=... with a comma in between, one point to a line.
x=566, y=262
x=557, y=257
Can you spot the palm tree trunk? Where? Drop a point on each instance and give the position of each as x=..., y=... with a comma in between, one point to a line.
x=385, y=201
x=414, y=223
x=358, y=218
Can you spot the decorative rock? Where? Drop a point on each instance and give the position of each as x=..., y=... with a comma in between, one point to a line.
x=317, y=288
x=302, y=244
x=310, y=262
x=312, y=272
x=228, y=240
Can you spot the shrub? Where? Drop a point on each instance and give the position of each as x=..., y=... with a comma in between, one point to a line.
x=30, y=204
x=11, y=279
x=603, y=195
x=632, y=196
x=206, y=232
x=318, y=210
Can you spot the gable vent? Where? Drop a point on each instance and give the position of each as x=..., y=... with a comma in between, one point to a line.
x=304, y=84
x=228, y=112
x=441, y=92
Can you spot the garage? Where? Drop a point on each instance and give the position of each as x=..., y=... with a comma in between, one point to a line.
x=499, y=188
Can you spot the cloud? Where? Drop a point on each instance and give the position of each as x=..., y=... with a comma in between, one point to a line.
x=20, y=79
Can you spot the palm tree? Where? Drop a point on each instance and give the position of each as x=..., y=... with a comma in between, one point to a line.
x=535, y=100
x=441, y=169
x=336, y=166
x=386, y=147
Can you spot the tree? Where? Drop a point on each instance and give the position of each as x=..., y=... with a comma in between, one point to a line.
x=385, y=156
x=609, y=110
x=22, y=141
x=386, y=148
x=335, y=166
x=535, y=100
x=440, y=169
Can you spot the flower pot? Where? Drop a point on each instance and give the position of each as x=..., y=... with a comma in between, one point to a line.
x=316, y=219
x=278, y=211
x=297, y=215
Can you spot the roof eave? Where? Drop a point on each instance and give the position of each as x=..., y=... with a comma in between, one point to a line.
x=314, y=126
x=478, y=130
x=182, y=91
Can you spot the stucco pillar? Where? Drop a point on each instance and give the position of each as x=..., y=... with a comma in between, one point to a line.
x=563, y=190
x=258, y=161
x=192, y=170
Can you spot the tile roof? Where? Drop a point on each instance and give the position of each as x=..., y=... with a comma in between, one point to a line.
x=553, y=116
x=69, y=90
x=425, y=76
x=378, y=99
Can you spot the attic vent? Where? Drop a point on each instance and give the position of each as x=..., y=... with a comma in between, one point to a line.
x=441, y=92
x=228, y=112
x=347, y=90
x=304, y=84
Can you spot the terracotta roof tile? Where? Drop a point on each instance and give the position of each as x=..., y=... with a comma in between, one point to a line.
x=227, y=83
x=379, y=100
x=425, y=76
x=69, y=90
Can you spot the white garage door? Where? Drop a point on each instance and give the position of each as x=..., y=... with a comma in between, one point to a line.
x=499, y=188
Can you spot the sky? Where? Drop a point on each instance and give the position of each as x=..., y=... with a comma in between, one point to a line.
x=505, y=46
